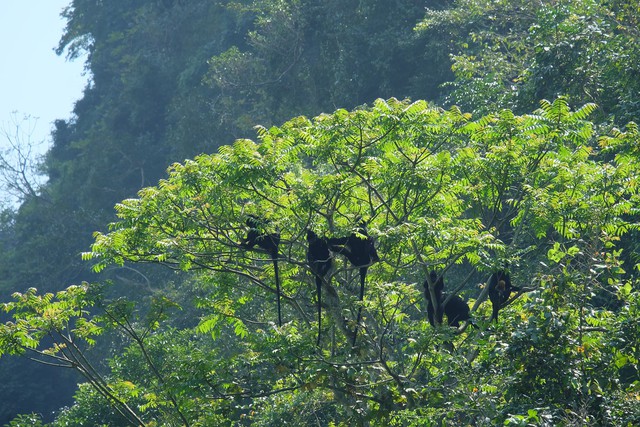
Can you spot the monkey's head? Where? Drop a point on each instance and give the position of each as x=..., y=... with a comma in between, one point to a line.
x=252, y=221
x=311, y=236
x=437, y=281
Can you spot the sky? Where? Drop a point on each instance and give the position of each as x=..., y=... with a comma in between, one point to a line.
x=34, y=81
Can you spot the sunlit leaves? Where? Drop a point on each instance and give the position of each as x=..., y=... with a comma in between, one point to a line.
x=509, y=54
x=458, y=185
x=37, y=316
x=436, y=189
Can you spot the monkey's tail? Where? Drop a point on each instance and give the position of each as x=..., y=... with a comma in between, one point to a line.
x=363, y=275
x=277, y=274
x=495, y=308
x=319, y=295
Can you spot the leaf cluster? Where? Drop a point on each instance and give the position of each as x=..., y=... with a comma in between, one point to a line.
x=437, y=190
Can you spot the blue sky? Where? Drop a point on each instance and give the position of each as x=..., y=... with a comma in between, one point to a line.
x=35, y=81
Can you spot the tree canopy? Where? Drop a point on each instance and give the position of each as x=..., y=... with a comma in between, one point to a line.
x=439, y=146
x=543, y=194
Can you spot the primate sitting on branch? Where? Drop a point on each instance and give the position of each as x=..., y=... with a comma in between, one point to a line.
x=361, y=253
x=500, y=289
x=269, y=243
x=456, y=309
x=320, y=263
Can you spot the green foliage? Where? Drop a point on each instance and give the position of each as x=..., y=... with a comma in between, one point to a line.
x=510, y=54
x=437, y=190
x=38, y=316
x=171, y=79
x=550, y=193
x=305, y=58
x=30, y=420
x=56, y=330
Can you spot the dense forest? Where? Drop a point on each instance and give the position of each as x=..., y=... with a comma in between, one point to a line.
x=337, y=213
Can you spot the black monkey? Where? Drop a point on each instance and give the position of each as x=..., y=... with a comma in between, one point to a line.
x=361, y=253
x=500, y=289
x=456, y=309
x=269, y=243
x=320, y=262
x=438, y=288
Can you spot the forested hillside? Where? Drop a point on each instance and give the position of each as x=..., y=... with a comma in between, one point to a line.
x=229, y=161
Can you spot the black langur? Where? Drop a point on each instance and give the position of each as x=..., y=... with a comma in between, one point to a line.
x=360, y=250
x=320, y=262
x=269, y=243
x=438, y=287
x=456, y=309
x=500, y=289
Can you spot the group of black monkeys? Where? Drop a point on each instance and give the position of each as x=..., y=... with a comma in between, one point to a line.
x=360, y=251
